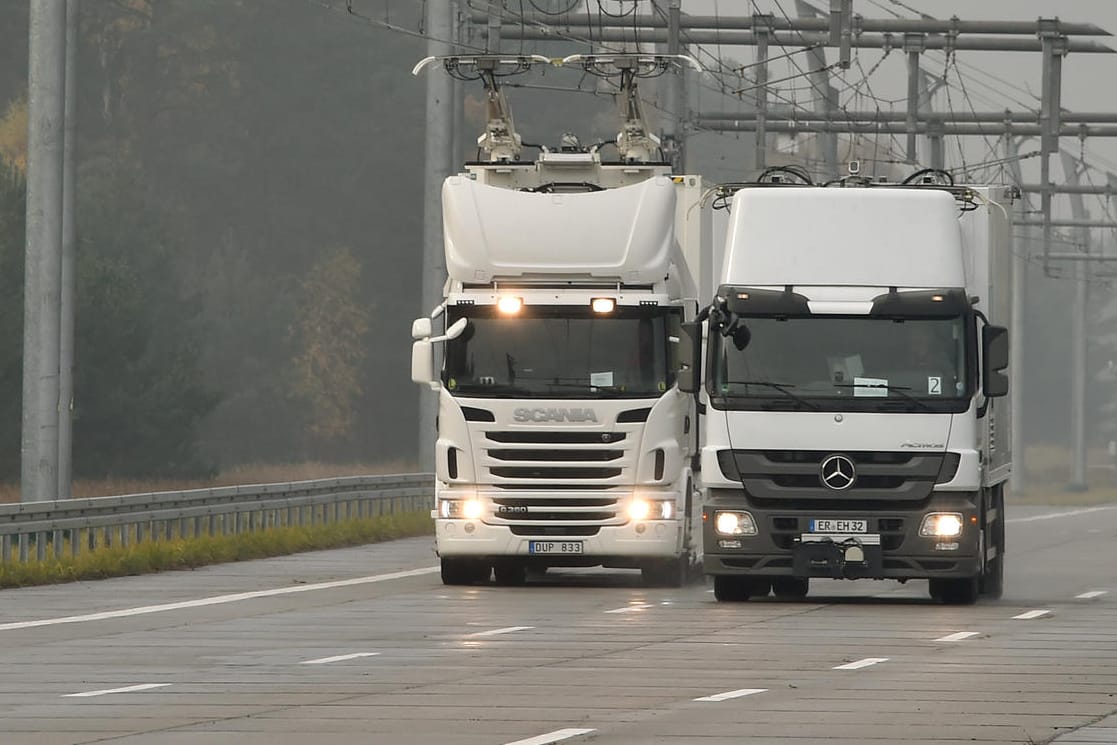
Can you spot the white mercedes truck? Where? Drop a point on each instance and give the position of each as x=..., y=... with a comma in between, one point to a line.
x=562, y=437
x=853, y=379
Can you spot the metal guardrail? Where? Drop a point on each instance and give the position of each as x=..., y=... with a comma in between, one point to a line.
x=36, y=530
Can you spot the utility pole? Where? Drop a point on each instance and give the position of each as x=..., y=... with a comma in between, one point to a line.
x=825, y=95
x=43, y=248
x=1016, y=342
x=1081, y=274
x=761, y=32
x=69, y=250
x=675, y=95
x=1054, y=46
x=439, y=153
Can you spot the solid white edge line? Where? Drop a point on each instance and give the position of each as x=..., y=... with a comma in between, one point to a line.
x=556, y=736
x=505, y=630
x=732, y=694
x=217, y=599
x=1053, y=515
x=1029, y=615
x=338, y=658
x=126, y=689
x=861, y=663
x=1091, y=595
x=959, y=636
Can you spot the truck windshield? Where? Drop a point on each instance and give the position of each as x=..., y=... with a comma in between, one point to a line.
x=856, y=362
x=563, y=352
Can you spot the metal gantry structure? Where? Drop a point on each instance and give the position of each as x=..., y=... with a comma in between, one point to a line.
x=493, y=23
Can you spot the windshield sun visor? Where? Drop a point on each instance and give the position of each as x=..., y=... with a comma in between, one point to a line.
x=750, y=301
x=921, y=304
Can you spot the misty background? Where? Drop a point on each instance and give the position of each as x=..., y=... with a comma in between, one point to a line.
x=250, y=206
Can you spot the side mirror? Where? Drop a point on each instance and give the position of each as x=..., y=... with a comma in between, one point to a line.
x=456, y=328
x=421, y=328
x=422, y=362
x=994, y=360
x=690, y=353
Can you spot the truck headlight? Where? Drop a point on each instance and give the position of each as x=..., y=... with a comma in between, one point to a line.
x=734, y=523
x=470, y=509
x=941, y=525
x=650, y=509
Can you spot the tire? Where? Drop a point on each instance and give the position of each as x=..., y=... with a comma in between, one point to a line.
x=993, y=578
x=458, y=571
x=509, y=573
x=956, y=590
x=729, y=589
x=791, y=588
x=666, y=573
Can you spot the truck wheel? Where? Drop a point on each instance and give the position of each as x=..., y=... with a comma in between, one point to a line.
x=728, y=589
x=993, y=578
x=791, y=587
x=666, y=573
x=459, y=571
x=955, y=590
x=509, y=573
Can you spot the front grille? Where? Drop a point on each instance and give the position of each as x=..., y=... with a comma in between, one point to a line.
x=556, y=479
x=772, y=477
x=556, y=438
x=556, y=455
x=537, y=472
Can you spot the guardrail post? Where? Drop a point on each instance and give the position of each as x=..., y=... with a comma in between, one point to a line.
x=125, y=535
x=56, y=541
x=5, y=549
x=169, y=528
x=212, y=525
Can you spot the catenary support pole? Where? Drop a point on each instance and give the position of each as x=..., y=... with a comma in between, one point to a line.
x=43, y=270
x=824, y=95
x=913, y=46
x=439, y=151
x=760, y=160
x=1080, y=272
x=69, y=250
x=1017, y=338
x=1054, y=47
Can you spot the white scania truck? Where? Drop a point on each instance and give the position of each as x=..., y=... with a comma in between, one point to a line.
x=852, y=379
x=563, y=439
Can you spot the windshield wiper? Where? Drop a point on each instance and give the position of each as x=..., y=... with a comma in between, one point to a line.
x=902, y=390
x=781, y=387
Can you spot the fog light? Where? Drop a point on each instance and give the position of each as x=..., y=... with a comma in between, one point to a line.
x=941, y=525
x=734, y=523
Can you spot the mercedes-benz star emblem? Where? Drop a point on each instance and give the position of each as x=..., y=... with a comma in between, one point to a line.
x=838, y=472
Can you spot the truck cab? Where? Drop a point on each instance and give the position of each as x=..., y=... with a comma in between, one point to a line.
x=853, y=374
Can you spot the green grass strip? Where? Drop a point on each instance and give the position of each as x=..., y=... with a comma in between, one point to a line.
x=189, y=553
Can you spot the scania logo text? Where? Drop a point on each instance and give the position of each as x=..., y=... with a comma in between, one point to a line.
x=554, y=415
x=838, y=472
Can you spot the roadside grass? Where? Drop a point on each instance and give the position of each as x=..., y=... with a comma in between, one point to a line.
x=190, y=553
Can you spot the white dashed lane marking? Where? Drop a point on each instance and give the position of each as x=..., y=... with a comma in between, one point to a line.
x=505, y=630
x=556, y=736
x=1091, y=595
x=732, y=694
x=868, y=661
x=338, y=658
x=959, y=636
x=126, y=689
x=1029, y=615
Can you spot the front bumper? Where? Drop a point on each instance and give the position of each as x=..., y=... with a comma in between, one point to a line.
x=892, y=548
x=612, y=546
